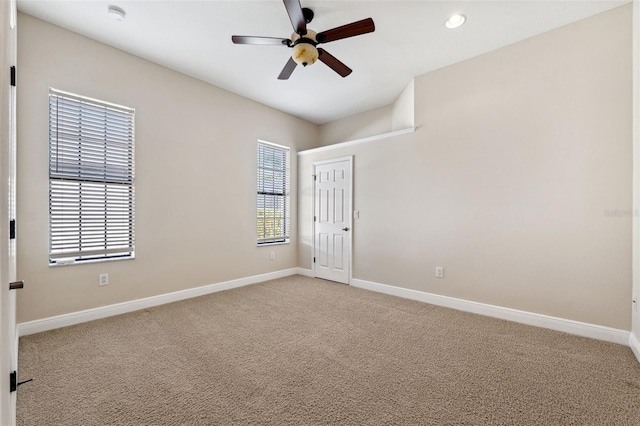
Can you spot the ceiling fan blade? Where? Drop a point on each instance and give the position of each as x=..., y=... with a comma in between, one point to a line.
x=349, y=30
x=273, y=41
x=333, y=63
x=287, y=70
x=297, y=17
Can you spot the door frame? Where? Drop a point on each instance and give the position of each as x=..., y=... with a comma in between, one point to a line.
x=348, y=158
x=634, y=336
x=8, y=146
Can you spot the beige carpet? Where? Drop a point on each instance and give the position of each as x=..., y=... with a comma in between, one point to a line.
x=304, y=351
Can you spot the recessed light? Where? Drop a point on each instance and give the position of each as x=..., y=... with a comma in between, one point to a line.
x=116, y=13
x=455, y=21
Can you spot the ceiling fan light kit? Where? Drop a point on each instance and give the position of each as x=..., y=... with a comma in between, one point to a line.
x=304, y=48
x=304, y=41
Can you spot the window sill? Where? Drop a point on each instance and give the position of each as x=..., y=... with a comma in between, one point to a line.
x=273, y=244
x=84, y=262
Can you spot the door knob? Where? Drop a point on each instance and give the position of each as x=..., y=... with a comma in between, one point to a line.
x=345, y=228
x=16, y=285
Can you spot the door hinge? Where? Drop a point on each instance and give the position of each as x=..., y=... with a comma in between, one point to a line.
x=12, y=229
x=13, y=75
x=13, y=381
x=314, y=259
x=314, y=219
x=315, y=177
x=16, y=285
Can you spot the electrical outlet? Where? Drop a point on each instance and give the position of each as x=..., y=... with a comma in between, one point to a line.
x=439, y=272
x=356, y=214
x=272, y=255
x=104, y=279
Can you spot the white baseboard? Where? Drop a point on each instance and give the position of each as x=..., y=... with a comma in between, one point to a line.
x=560, y=324
x=65, y=320
x=539, y=320
x=304, y=272
x=634, y=343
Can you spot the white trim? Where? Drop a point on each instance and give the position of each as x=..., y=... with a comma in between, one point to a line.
x=634, y=344
x=80, y=98
x=331, y=160
x=358, y=141
x=635, y=236
x=313, y=221
x=65, y=320
x=593, y=331
x=262, y=141
x=305, y=272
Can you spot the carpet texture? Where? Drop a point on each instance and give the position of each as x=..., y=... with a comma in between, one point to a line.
x=305, y=351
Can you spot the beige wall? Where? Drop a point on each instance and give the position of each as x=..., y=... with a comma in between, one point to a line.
x=195, y=175
x=365, y=124
x=517, y=156
x=403, y=109
x=399, y=115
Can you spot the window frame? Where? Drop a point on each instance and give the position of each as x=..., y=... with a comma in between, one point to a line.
x=285, y=236
x=105, y=166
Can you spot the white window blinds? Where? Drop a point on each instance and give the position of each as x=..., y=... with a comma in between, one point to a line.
x=91, y=172
x=274, y=212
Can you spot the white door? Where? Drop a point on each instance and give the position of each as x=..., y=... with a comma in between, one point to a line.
x=332, y=220
x=8, y=335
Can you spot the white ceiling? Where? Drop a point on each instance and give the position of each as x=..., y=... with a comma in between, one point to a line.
x=194, y=37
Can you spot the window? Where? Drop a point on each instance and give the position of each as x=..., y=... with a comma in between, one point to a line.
x=91, y=192
x=274, y=216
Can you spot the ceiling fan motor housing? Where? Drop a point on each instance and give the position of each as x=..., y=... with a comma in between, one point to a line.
x=304, y=48
x=308, y=14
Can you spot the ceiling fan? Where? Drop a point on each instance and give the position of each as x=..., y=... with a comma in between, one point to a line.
x=304, y=41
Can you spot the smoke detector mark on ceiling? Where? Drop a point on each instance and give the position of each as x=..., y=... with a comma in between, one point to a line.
x=116, y=13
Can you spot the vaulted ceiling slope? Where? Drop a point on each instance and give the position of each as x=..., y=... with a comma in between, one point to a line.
x=194, y=38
